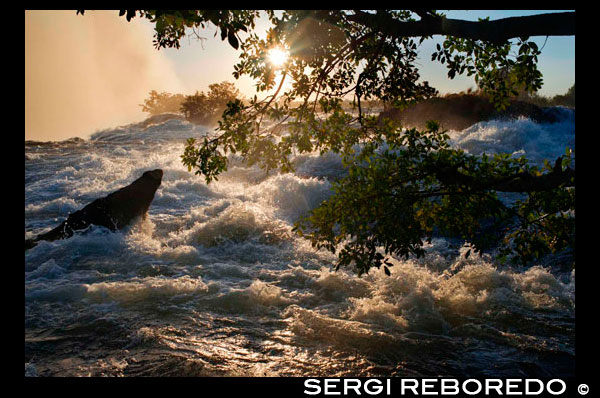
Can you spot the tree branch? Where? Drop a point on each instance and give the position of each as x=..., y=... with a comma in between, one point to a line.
x=521, y=182
x=496, y=31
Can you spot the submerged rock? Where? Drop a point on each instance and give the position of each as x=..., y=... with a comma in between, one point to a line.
x=114, y=211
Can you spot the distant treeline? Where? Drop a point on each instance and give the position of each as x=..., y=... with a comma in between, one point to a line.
x=207, y=108
x=199, y=108
x=567, y=99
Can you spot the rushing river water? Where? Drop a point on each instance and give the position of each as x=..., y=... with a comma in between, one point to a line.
x=214, y=282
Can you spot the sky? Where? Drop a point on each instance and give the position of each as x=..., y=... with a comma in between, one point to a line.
x=88, y=73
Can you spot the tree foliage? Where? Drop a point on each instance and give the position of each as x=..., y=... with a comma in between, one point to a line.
x=158, y=103
x=206, y=108
x=402, y=186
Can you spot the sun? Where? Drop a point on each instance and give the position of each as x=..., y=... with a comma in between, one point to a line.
x=277, y=56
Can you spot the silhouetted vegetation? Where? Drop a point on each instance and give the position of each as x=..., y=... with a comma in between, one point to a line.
x=206, y=109
x=461, y=110
x=199, y=108
x=567, y=99
x=163, y=102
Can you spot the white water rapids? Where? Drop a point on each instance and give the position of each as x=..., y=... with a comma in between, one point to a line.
x=214, y=282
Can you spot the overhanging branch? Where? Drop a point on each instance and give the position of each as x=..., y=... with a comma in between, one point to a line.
x=521, y=182
x=496, y=31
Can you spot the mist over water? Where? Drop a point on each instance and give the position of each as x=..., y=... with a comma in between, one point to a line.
x=214, y=282
x=86, y=73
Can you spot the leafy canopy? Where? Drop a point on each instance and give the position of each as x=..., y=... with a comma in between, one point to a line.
x=401, y=186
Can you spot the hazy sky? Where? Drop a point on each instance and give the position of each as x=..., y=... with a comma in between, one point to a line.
x=86, y=73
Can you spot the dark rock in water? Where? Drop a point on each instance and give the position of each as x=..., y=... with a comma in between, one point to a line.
x=114, y=211
x=459, y=111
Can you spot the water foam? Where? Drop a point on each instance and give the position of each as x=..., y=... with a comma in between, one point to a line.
x=220, y=265
x=149, y=290
x=519, y=137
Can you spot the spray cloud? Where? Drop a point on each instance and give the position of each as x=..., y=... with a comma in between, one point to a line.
x=85, y=73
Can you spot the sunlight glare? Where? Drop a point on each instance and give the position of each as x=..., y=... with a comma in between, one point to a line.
x=277, y=56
